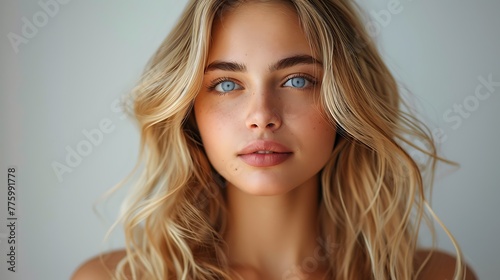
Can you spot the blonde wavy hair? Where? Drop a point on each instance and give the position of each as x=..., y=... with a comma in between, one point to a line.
x=372, y=191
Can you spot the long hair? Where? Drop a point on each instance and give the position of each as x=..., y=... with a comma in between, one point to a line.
x=373, y=198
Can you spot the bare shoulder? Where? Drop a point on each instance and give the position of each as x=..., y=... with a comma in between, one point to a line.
x=100, y=267
x=440, y=266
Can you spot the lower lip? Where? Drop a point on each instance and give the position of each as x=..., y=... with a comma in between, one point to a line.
x=264, y=160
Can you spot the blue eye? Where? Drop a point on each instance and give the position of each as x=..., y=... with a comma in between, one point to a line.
x=226, y=86
x=297, y=82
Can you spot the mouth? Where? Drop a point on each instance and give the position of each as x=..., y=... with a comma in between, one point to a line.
x=264, y=153
x=264, y=147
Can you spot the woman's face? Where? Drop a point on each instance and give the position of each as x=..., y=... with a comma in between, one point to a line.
x=258, y=112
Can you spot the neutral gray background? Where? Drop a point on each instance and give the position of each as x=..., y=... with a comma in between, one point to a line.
x=69, y=75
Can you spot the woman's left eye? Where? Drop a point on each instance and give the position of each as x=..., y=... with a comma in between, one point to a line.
x=226, y=86
x=298, y=82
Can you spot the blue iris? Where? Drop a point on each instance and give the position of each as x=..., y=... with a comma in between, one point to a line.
x=226, y=86
x=297, y=82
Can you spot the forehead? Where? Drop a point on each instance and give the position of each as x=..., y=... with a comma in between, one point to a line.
x=257, y=28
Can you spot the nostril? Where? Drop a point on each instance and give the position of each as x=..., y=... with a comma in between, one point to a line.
x=269, y=125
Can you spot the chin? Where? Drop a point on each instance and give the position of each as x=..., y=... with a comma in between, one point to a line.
x=263, y=188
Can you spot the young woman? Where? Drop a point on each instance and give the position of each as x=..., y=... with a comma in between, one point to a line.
x=272, y=137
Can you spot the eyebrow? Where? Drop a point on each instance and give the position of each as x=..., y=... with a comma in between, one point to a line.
x=279, y=65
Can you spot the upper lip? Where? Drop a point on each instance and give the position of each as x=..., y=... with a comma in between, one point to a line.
x=263, y=145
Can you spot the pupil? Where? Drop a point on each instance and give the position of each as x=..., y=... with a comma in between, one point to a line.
x=298, y=82
x=228, y=86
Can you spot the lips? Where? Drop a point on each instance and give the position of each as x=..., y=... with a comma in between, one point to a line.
x=262, y=153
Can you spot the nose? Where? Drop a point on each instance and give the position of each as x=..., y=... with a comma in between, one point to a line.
x=263, y=112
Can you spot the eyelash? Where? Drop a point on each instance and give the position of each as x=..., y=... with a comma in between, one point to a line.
x=308, y=78
x=214, y=83
x=211, y=87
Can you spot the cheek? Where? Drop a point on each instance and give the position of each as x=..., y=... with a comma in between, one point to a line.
x=215, y=127
x=216, y=117
x=320, y=132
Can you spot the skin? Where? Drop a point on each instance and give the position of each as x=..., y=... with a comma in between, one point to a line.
x=272, y=210
x=269, y=207
x=441, y=266
x=264, y=104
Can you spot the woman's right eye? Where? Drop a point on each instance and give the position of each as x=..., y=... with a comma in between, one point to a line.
x=226, y=86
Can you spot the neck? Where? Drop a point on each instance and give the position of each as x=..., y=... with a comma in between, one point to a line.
x=273, y=234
